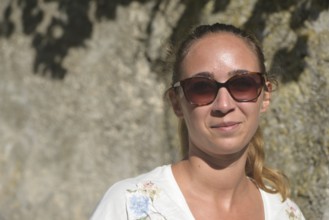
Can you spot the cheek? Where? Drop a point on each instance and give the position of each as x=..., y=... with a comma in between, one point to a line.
x=252, y=111
x=194, y=117
x=253, y=121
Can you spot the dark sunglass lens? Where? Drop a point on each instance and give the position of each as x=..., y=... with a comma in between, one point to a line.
x=200, y=91
x=245, y=88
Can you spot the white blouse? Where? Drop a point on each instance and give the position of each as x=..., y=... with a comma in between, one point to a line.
x=157, y=196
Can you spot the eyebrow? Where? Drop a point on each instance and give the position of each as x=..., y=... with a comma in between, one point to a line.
x=238, y=71
x=205, y=74
x=230, y=73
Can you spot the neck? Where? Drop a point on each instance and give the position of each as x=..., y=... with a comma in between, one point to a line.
x=224, y=176
x=220, y=162
x=216, y=177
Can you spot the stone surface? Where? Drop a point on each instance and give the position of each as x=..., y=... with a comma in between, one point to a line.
x=81, y=96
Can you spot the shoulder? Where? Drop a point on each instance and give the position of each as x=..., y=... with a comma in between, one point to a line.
x=114, y=203
x=276, y=208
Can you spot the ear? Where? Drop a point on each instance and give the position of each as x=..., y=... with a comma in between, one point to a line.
x=174, y=99
x=267, y=97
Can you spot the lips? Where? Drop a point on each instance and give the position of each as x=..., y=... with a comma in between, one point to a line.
x=226, y=126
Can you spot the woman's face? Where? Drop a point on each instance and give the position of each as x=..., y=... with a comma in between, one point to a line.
x=225, y=126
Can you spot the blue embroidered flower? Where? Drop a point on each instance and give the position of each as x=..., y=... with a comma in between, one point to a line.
x=140, y=202
x=139, y=205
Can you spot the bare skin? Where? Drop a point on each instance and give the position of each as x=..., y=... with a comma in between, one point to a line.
x=218, y=193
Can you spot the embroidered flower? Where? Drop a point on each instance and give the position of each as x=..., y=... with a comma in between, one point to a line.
x=293, y=211
x=140, y=202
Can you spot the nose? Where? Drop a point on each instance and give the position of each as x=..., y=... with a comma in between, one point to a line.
x=223, y=103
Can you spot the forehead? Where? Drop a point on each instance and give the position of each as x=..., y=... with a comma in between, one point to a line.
x=219, y=52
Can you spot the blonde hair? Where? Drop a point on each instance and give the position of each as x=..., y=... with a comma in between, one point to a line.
x=268, y=179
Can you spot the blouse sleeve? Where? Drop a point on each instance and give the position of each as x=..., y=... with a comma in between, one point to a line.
x=112, y=205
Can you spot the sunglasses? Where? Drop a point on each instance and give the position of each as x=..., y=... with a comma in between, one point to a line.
x=202, y=90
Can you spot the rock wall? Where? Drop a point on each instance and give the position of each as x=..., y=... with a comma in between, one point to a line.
x=81, y=96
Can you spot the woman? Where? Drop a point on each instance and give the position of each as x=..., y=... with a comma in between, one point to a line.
x=220, y=89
